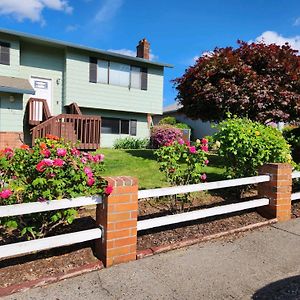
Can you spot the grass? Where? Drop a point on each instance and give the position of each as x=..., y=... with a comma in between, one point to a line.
x=142, y=164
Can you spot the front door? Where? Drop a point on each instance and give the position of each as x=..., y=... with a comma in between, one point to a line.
x=43, y=90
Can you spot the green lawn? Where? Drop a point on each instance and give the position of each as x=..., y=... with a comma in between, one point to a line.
x=142, y=164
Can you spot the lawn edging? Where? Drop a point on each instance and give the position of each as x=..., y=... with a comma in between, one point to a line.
x=188, y=242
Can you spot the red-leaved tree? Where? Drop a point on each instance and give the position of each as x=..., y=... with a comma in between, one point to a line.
x=258, y=81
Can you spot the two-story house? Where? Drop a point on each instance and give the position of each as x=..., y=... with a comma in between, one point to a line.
x=76, y=92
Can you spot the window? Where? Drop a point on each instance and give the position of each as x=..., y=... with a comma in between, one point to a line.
x=4, y=53
x=118, y=126
x=115, y=73
x=102, y=71
x=136, y=78
x=119, y=74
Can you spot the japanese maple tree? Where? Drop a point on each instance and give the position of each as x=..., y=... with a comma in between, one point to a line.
x=258, y=81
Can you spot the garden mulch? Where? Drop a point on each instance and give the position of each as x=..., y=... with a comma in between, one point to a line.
x=57, y=262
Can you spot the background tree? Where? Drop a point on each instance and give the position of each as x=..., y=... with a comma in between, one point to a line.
x=258, y=81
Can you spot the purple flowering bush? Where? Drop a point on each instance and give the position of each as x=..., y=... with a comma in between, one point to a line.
x=162, y=135
x=52, y=169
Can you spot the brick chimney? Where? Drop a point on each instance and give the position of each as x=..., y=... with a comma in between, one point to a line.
x=143, y=49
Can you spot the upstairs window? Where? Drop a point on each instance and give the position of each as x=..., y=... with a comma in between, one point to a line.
x=114, y=73
x=4, y=53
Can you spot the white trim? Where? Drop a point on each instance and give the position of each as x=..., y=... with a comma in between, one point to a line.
x=49, y=242
x=296, y=174
x=199, y=214
x=34, y=207
x=202, y=186
x=295, y=196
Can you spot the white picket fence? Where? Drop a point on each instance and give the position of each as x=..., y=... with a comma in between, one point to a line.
x=208, y=212
x=48, y=242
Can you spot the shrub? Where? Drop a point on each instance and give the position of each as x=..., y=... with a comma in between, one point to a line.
x=182, y=126
x=164, y=134
x=183, y=164
x=167, y=120
x=247, y=145
x=292, y=136
x=131, y=143
x=52, y=169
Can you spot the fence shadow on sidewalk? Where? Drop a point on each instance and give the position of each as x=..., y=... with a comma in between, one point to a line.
x=285, y=289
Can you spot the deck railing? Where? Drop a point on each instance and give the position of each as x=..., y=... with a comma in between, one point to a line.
x=38, y=111
x=73, y=128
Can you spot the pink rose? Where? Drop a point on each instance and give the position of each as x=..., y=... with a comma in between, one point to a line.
x=58, y=162
x=193, y=149
x=206, y=161
x=108, y=190
x=46, y=152
x=204, y=148
x=203, y=177
x=90, y=181
x=88, y=171
x=40, y=167
x=204, y=141
x=61, y=151
x=5, y=194
x=48, y=162
x=83, y=160
x=98, y=158
x=180, y=141
x=75, y=152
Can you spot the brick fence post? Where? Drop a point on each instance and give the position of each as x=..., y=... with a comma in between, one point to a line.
x=117, y=215
x=278, y=190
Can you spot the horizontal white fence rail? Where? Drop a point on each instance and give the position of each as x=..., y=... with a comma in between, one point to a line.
x=199, y=214
x=34, y=207
x=202, y=186
x=295, y=196
x=296, y=174
x=49, y=242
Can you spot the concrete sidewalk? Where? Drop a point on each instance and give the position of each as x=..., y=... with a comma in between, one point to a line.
x=214, y=270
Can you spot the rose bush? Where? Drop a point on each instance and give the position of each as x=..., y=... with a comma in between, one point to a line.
x=52, y=169
x=183, y=163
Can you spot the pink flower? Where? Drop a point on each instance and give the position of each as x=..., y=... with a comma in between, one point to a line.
x=180, y=141
x=61, y=151
x=50, y=175
x=40, y=167
x=204, y=148
x=90, y=157
x=206, y=161
x=90, y=181
x=204, y=141
x=188, y=143
x=193, y=149
x=88, y=171
x=5, y=194
x=58, y=162
x=75, y=152
x=8, y=150
x=48, y=162
x=46, y=152
x=108, y=190
x=83, y=160
x=203, y=177
x=98, y=158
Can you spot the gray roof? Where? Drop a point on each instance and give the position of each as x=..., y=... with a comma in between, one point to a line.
x=15, y=85
x=62, y=44
x=172, y=108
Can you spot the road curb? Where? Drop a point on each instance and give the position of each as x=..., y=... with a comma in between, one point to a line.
x=52, y=279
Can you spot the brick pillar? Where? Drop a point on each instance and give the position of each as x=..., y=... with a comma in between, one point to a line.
x=118, y=217
x=278, y=190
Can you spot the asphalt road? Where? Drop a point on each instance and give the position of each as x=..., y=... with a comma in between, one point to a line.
x=263, y=264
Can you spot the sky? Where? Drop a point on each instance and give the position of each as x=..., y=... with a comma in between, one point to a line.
x=178, y=31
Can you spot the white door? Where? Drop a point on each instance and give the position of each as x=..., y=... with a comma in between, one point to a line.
x=43, y=90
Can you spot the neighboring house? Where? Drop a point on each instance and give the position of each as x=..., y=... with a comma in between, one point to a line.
x=77, y=85
x=199, y=128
